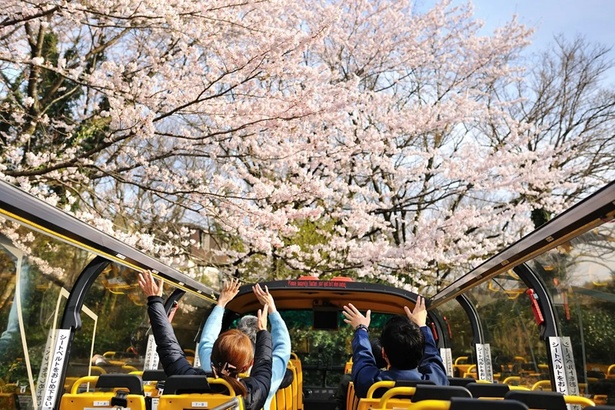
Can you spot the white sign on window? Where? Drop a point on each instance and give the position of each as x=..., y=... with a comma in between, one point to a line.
x=151, y=356
x=55, y=369
x=483, y=362
x=447, y=358
x=197, y=360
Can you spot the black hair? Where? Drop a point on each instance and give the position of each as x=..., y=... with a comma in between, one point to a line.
x=403, y=342
x=377, y=352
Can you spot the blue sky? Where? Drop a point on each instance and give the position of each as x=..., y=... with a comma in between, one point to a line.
x=594, y=19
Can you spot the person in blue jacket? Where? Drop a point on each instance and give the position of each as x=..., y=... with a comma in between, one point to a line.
x=407, y=346
x=279, y=333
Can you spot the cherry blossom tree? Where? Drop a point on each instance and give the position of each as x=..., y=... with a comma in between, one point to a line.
x=567, y=106
x=308, y=137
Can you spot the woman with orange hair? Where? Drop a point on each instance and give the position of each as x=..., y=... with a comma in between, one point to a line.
x=232, y=352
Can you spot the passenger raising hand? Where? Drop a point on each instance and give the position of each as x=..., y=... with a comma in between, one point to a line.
x=264, y=297
x=262, y=318
x=419, y=314
x=355, y=318
x=149, y=285
x=229, y=291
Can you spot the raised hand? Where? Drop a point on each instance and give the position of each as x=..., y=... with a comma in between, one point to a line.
x=419, y=314
x=149, y=285
x=262, y=318
x=229, y=291
x=355, y=318
x=264, y=297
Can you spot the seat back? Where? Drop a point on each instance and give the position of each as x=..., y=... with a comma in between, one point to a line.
x=153, y=382
x=460, y=381
x=427, y=392
x=294, y=359
x=538, y=399
x=403, y=397
x=388, y=399
x=294, y=387
x=488, y=389
x=352, y=401
x=465, y=403
x=124, y=390
x=200, y=401
x=130, y=381
x=284, y=397
x=280, y=399
x=418, y=394
x=348, y=366
x=547, y=400
x=380, y=387
x=197, y=392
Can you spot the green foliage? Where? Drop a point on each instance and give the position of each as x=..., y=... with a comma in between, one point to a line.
x=591, y=328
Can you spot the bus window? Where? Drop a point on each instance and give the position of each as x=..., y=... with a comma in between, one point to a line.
x=456, y=322
x=580, y=277
x=188, y=320
x=36, y=274
x=518, y=354
x=114, y=322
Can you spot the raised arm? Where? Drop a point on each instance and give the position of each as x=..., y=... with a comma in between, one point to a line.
x=168, y=348
x=364, y=368
x=213, y=324
x=280, y=339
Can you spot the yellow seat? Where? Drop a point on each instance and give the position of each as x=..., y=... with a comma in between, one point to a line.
x=387, y=400
x=287, y=398
x=199, y=401
x=127, y=392
x=294, y=387
x=348, y=366
x=512, y=380
x=470, y=372
x=610, y=372
x=196, y=392
x=7, y=396
x=580, y=400
x=461, y=360
x=377, y=389
x=280, y=399
x=97, y=370
x=274, y=403
x=391, y=398
x=352, y=401
x=464, y=403
x=536, y=399
x=151, y=378
x=542, y=385
x=461, y=365
x=294, y=359
x=600, y=399
x=384, y=384
x=129, y=369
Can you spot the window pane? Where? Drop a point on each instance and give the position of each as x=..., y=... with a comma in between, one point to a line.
x=36, y=272
x=580, y=277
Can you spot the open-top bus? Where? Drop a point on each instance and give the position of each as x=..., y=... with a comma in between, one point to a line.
x=539, y=315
